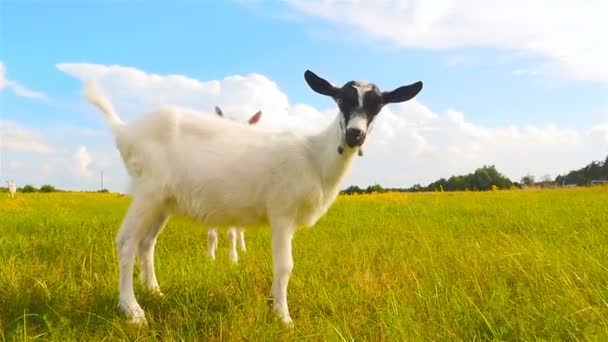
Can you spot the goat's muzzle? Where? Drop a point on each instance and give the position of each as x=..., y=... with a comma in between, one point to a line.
x=354, y=137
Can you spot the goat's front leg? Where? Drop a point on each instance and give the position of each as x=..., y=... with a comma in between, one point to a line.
x=282, y=233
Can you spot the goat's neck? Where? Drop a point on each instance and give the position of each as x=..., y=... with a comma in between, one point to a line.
x=333, y=166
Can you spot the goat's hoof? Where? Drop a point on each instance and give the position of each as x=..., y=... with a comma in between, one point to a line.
x=288, y=322
x=156, y=293
x=138, y=322
x=285, y=318
x=134, y=313
x=234, y=258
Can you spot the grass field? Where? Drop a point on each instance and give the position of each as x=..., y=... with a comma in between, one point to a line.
x=509, y=265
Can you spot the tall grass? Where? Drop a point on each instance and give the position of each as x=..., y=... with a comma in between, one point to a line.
x=514, y=265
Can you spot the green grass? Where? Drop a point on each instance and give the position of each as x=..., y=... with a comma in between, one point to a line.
x=514, y=265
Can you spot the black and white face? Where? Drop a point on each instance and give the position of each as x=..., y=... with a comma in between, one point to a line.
x=359, y=103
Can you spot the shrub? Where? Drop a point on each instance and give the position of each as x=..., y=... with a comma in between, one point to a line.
x=29, y=188
x=47, y=188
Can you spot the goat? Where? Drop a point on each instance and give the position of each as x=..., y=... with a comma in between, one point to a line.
x=12, y=188
x=234, y=233
x=178, y=161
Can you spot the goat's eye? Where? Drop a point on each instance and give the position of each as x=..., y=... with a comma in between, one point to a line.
x=339, y=101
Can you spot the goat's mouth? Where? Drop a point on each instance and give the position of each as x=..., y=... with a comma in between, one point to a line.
x=354, y=144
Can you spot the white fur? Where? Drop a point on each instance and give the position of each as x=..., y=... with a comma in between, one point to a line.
x=362, y=88
x=358, y=121
x=221, y=173
x=12, y=188
x=234, y=233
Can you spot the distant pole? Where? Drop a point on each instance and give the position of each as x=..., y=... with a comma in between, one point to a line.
x=101, y=180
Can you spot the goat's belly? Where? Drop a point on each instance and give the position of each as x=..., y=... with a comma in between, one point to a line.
x=214, y=213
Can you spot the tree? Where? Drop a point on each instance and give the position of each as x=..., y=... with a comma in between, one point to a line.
x=482, y=179
x=47, y=188
x=29, y=188
x=417, y=187
x=486, y=176
x=374, y=188
x=584, y=176
x=351, y=190
x=527, y=180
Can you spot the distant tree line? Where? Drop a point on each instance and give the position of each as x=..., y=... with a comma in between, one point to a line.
x=484, y=178
x=44, y=188
x=30, y=188
x=488, y=178
x=355, y=190
x=596, y=170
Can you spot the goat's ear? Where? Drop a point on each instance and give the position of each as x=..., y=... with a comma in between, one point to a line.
x=402, y=94
x=319, y=84
x=255, y=118
x=218, y=111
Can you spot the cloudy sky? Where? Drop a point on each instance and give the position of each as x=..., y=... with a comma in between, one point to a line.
x=521, y=84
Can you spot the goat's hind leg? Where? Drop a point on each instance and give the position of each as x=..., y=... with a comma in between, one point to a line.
x=212, y=242
x=146, y=254
x=242, y=239
x=232, y=237
x=139, y=219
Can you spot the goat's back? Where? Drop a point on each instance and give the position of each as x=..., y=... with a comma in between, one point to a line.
x=215, y=170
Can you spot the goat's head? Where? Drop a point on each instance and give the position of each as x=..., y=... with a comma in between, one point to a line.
x=252, y=120
x=359, y=103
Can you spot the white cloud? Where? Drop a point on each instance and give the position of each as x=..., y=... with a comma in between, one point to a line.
x=81, y=163
x=135, y=91
x=16, y=138
x=59, y=155
x=446, y=144
x=409, y=143
x=18, y=88
x=3, y=80
x=569, y=35
x=600, y=133
x=15, y=166
x=23, y=91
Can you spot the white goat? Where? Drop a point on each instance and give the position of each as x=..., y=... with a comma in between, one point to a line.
x=12, y=188
x=234, y=233
x=179, y=161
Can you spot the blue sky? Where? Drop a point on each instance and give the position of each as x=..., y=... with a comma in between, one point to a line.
x=537, y=80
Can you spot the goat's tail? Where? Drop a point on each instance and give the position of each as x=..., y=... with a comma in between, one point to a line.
x=96, y=97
